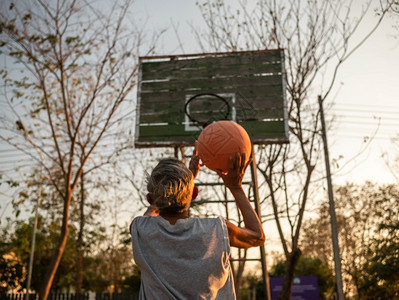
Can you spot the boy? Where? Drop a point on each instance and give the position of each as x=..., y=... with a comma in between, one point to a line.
x=188, y=258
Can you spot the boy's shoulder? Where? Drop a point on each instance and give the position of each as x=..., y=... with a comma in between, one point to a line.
x=142, y=221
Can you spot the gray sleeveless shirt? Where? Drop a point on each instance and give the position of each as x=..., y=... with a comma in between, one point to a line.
x=188, y=260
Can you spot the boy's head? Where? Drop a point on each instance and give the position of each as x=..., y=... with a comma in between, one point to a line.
x=170, y=185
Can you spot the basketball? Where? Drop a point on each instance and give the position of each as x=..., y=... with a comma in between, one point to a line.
x=221, y=140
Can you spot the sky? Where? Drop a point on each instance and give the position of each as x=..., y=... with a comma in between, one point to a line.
x=365, y=94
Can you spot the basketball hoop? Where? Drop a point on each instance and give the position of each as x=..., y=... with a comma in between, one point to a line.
x=203, y=117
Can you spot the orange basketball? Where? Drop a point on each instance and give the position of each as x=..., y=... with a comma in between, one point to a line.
x=221, y=140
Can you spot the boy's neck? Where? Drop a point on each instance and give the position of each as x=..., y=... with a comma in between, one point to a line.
x=173, y=217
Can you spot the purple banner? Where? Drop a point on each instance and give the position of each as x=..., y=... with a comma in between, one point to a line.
x=303, y=288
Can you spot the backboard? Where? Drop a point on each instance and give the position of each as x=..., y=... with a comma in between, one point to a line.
x=178, y=95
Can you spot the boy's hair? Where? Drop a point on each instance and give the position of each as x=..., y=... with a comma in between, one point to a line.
x=170, y=185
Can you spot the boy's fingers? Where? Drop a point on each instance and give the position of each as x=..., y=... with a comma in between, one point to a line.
x=249, y=162
x=230, y=164
x=238, y=161
x=219, y=172
x=242, y=161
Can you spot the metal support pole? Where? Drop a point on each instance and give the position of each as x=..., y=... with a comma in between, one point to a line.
x=32, y=246
x=21, y=126
x=265, y=275
x=334, y=230
x=176, y=152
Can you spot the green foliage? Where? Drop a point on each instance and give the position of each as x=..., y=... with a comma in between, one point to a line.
x=72, y=39
x=104, y=267
x=95, y=269
x=11, y=267
x=132, y=282
x=46, y=238
x=12, y=183
x=380, y=274
x=277, y=270
x=368, y=219
x=11, y=271
x=17, y=245
x=308, y=266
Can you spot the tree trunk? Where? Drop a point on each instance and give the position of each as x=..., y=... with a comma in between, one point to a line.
x=59, y=251
x=292, y=261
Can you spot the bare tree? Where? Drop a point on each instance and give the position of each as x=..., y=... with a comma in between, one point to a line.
x=391, y=158
x=73, y=66
x=395, y=13
x=315, y=36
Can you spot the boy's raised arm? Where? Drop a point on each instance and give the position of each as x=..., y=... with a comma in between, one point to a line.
x=194, y=165
x=252, y=234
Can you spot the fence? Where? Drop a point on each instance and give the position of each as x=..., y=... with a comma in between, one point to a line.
x=69, y=296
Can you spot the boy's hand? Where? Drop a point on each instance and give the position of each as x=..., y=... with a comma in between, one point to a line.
x=194, y=165
x=236, y=170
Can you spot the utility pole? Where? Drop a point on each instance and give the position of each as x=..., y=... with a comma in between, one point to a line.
x=265, y=274
x=334, y=229
x=32, y=246
x=22, y=127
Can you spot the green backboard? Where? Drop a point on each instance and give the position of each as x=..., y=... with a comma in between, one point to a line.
x=246, y=87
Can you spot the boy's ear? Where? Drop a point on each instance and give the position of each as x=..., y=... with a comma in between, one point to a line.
x=195, y=193
x=149, y=199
